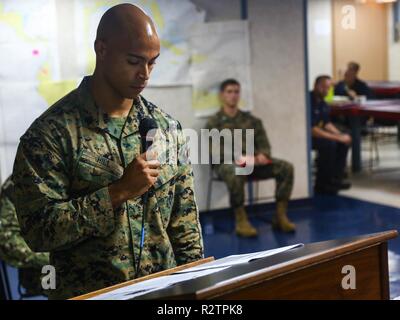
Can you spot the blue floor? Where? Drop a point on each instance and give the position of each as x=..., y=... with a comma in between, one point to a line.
x=318, y=219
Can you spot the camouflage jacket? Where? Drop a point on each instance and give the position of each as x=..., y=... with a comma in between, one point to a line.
x=242, y=120
x=64, y=164
x=13, y=249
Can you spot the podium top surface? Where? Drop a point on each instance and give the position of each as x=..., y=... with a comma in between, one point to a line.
x=272, y=266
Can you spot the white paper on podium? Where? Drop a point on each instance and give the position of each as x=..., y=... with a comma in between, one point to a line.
x=144, y=287
x=147, y=286
x=238, y=259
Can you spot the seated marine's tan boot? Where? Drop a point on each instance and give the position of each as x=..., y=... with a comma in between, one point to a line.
x=243, y=225
x=280, y=220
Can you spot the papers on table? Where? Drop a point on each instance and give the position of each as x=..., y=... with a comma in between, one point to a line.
x=341, y=99
x=239, y=259
x=147, y=286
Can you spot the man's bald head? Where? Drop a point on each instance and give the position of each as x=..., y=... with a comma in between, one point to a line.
x=125, y=20
x=127, y=46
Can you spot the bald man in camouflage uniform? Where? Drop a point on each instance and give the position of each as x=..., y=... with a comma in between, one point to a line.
x=80, y=173
x=13, y=249
x=230, y=117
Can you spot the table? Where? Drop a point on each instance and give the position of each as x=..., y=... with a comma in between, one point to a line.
x=379, y=109
x=313, y=271
x=150, y=276
x=385, y=89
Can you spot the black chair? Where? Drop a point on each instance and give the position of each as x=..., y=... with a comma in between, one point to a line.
x=252, y=183
x=5, y=289
x=23, y=295
x=378, y=136
x=23, y=275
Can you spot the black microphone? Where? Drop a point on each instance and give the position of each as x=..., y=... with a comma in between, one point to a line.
x=147, y=130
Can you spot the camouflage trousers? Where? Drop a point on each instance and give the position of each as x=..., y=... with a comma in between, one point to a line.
x=280, y=170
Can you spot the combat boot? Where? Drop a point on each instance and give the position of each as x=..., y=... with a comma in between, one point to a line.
x=243, y=225
x=280, y=220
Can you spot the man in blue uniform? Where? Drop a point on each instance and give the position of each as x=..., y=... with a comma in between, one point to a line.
x=351, y=86
x=332, y=145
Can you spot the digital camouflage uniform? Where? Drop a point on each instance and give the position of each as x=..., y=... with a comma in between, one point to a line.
x=64, y=164
x=280, y=170
x=13, y=249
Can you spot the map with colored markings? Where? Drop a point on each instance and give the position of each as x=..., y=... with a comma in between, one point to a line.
x=173, y=18
x=46, y=48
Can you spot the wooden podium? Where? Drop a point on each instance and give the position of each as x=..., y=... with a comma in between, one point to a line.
x=313, y=271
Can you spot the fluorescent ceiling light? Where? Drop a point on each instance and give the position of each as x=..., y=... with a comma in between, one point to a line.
x=385, y=1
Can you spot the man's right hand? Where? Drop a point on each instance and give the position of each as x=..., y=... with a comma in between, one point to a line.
x=138, y=177
x=352, y=94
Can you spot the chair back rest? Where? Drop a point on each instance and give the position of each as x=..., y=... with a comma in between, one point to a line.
x=5, y=291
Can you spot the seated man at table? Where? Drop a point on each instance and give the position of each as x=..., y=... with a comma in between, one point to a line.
x=331, y=144
x=265, y=166
x=351, y=85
